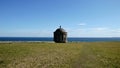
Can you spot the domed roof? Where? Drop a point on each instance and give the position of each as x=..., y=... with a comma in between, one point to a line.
x=60, y=30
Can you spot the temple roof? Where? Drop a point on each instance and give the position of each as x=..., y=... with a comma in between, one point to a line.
x=60, y=30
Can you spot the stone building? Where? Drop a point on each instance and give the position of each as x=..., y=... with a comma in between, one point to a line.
x=60, y=35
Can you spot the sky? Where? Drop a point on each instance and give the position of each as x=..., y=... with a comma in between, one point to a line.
x=40, y=18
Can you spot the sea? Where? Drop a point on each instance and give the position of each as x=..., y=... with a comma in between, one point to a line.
x=50, y=39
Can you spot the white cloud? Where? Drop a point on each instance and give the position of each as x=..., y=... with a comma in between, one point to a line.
x=117, y=30
x=82, y=24
x=100, y=28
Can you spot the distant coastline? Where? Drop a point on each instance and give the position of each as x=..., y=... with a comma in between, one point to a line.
x=50, y=39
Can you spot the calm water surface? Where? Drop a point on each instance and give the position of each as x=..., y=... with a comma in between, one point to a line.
x=73, y=39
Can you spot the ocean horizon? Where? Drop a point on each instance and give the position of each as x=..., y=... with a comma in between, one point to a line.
x=69, y=39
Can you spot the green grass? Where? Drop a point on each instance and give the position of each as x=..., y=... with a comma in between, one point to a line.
x=60, y=55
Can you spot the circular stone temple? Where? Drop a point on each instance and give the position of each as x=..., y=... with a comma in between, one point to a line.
x=60, y=35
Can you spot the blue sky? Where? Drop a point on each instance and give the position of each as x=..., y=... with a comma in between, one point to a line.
x=40, y=18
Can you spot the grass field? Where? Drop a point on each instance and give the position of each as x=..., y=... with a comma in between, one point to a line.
x=60, y=55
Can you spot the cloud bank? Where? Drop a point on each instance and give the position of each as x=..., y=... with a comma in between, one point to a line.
x=94, y=32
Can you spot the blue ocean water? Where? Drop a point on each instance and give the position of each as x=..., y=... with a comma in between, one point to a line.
x=72, y=39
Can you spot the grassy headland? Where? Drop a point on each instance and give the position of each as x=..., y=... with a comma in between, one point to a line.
x=60, y=55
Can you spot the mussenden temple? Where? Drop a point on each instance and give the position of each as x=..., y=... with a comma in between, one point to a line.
x=60, y=35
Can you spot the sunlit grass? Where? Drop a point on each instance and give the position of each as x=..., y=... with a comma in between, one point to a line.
x=60, y=55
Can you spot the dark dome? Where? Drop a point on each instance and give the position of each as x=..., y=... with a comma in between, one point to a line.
x=60, y=30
